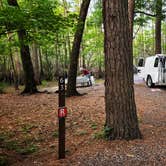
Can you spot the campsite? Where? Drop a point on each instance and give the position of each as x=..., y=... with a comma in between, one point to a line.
x=82, y=82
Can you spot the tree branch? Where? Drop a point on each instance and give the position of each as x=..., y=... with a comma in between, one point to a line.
x=148, y=14
x=136, y=32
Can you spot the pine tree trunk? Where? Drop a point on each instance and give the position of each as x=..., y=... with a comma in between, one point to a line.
x=74, y=56
x=119, y=92
x=158, y=26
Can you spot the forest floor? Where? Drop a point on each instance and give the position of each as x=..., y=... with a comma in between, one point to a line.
x=29, y=130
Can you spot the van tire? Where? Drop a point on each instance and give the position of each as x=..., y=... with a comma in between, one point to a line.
x=149, y=82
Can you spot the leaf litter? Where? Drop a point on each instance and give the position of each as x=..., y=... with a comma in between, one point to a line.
x=29, y=130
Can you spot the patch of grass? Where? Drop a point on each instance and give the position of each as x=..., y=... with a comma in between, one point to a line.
x=139, y=119
x=3, y=86
x=11, y=145
x=44, y=83
x=3, y=161
x=103, y=134
x=55, y=134
x=25, y=147
x=81, y=133
x=2, y=137
x=26, y=128
x=28, y=139
x=107, y=132
x=99, y=81
x=29, y=149
x=98, y=135
x=94, y=126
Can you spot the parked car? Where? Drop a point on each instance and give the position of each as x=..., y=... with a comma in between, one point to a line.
x=83, y=81
x=153, y=70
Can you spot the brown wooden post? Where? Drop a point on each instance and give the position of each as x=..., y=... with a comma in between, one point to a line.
x=62, y=112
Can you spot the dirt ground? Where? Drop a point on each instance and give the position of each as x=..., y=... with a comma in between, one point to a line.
x=29, y=130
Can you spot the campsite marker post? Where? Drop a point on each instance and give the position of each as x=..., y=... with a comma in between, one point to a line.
x=62, y=113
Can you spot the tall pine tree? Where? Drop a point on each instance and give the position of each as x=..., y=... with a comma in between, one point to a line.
x=120, y=108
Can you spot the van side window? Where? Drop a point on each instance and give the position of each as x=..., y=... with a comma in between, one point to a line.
x=141, y=62
x=156, y=62
x=163, y=62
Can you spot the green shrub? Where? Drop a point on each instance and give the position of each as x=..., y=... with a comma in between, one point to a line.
x=29, y=149
x=2, y=87
x=98, y=135
x=103, y=134
x=94, y=126
x=3, y=161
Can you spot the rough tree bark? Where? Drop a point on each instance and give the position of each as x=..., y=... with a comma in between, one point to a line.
x=131, y=6
x=120, y=107
x=158, y=26
x=30, y=85
x=74, y=56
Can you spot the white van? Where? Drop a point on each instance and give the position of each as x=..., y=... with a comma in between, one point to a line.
x=154, y=70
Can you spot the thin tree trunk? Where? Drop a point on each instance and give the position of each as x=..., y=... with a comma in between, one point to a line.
x=15, y=74
x=83, y=61
x=35, y=57
x=57, y=56
x=18, y=67
x=69, y=44
x=65, y=53
x=30, y=85
x=120, y=109
x=82, y=58
x=158, y=26
x=74, y=56
x=4, y=69
x=41, y=65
